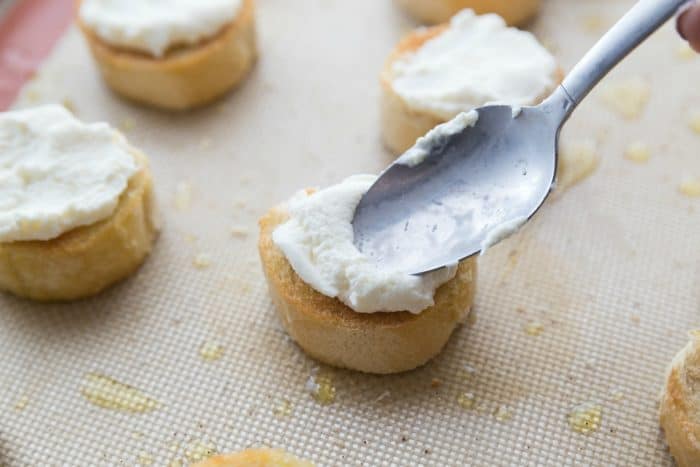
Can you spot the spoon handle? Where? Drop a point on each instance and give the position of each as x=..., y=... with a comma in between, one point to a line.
x=645, y=17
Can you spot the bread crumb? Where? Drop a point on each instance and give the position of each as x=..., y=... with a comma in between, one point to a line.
x=685, y=51
x=183, y=196
x=127, y=124
x=211, y=351
x=694, y=122
x=585, y=418
x=690, y=187
x=145, y=459
x=503, y=413
x=435, y=383
x=202, y=261
x=577, y=160
x=638, y=152
x=321, y=388
x=466, y=400
x=628, y=97
x=240, y=232
x=534, y=328
x=21, y=403
x=284, y=409
x=198, y=451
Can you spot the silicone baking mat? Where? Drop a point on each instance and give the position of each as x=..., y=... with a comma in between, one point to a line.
x=575, y=321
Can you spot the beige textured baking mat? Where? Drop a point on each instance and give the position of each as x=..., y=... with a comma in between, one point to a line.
x=576, y=318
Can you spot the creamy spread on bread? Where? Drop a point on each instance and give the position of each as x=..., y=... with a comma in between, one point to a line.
x=57, y=173
x=475, y=61
x=154, y=26
x=317, y=240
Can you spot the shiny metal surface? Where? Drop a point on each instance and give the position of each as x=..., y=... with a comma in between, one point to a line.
x=500, y=170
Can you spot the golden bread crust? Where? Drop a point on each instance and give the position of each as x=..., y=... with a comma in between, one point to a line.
x=514, y=12
x=381, y=343
x=401, y=124
x=255, y=458
x=85, y=260
x=678, y=414
x=186, y=77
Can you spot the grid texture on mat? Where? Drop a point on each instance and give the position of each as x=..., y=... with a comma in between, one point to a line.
x=605, y=278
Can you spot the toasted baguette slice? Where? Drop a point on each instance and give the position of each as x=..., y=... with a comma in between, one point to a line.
x=515, y=12
x=402, y=125
x=186, y=77
x=680, y=405
x=333, y=333
x=255, y=458
x=85, y=260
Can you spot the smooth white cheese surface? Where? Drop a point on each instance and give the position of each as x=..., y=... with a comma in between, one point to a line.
x=318, y=242
x=478, y=60
x=57, y=173
x=153, y=26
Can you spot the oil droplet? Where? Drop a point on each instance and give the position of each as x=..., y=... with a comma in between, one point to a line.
x=628, y=98
x=21, y=403
x=690, y=187
x=145, y=459
x=585, y=418
x=685, y=51
x=284, y=409
x=321, y=388
x=694, y=122
x=577, y=160
x=198, y=451
x=466, y=400
x=109, y=393
x=503, y=414
x=183, y=196
x=202, y=261
x=211, y=351
x=534, y=328
x=637, y=152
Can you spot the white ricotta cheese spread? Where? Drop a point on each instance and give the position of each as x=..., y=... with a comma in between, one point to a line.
x=318, y=242
x=153, y=26
x=57, y=173
x=478, y=60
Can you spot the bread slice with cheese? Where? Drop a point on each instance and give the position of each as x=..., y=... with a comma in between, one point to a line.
x=515, y=12
x=333, y=333
x=680, y=405
x=187, y=76
x=85, y=260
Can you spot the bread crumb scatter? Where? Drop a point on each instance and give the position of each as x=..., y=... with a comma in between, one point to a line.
x=183, y=196
x=211, y=351
x=690, y=187
x=638, y=152
x=466, y=400
x=284, y=409
x=109, y=393
x=628, y=98
x=534, y=328
x=503, y=413
x=202, y=261
x=321, y=388
x=585, y=418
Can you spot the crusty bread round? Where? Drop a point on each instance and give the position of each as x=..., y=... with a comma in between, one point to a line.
x=255, y=458
x=187, y=76
x=333, y=333
x=402, y=125
x=85, y=260
x=680, y=405
x=515, y=12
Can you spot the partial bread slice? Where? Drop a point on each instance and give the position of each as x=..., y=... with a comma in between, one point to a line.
x=85, y=260
x=255, y=458
x=680, y=405
x=187, y=76
x=402, y=125
x=333, y=333
x=515, y=12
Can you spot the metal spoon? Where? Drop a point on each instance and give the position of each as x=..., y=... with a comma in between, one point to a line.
x=476, y=186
